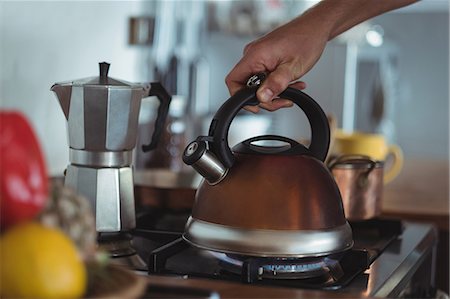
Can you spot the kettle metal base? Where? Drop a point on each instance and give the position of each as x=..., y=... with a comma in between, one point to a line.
x=268, y=243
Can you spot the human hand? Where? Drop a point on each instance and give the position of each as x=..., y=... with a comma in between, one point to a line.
x=288, y=52
x=285, y=55
x=277, y=102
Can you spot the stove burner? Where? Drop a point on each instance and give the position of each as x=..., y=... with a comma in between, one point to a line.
x=284, y=268
x=167, y=253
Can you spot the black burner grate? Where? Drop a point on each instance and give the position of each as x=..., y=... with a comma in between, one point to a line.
x=172, y=255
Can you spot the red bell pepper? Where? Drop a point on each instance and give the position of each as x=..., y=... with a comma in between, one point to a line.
x=23, y=173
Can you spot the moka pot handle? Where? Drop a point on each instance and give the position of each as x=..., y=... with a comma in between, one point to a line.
x=156, y=89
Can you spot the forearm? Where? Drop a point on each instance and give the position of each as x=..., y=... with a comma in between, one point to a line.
x=337, y=16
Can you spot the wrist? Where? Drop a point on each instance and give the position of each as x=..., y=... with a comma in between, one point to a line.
x=322, y=18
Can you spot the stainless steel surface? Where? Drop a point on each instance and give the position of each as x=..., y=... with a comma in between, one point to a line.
x=208, y=166
x=110, y=191
x=122, y=118
x=394, y=269
x=103, y=118
x=75, y=118
x=100, y=159
x=266, y=242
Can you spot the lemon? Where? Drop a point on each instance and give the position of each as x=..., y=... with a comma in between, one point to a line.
x=40, y=262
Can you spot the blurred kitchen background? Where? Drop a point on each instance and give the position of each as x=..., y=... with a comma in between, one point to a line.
x=388, y=75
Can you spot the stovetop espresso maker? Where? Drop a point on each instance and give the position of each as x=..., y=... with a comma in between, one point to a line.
x=102, y=116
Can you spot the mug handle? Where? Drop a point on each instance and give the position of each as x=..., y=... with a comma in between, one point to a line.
x=397, y=154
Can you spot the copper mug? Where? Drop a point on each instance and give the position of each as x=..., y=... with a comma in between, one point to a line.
x=374, y=146
x=360, y=181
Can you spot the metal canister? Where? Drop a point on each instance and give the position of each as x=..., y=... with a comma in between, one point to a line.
x=360, y=181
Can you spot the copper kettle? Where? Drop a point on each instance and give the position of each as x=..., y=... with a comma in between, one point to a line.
x=278, y=201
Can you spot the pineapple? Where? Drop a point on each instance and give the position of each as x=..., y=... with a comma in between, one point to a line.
x=72, y=214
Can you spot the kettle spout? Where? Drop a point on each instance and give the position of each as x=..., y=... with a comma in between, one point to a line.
x=204, y=162
x=63, y=93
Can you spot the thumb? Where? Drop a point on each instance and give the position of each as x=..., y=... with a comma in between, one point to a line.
x=275, y=83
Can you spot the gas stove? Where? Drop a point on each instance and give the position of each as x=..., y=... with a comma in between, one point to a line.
x=390, y=258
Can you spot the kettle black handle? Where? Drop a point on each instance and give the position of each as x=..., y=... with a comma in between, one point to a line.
x=220, y=125
x=156, y=89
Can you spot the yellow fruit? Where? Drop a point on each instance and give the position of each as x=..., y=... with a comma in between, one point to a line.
x=40, y=262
